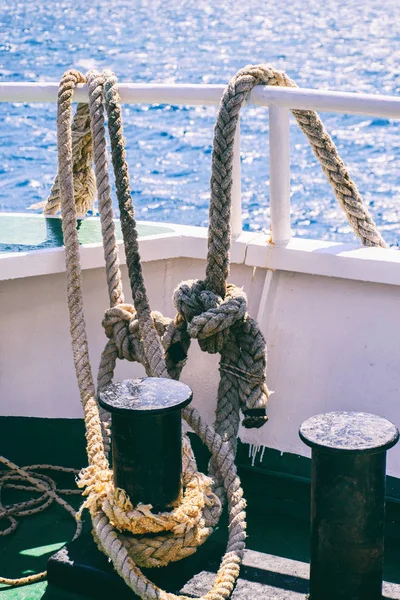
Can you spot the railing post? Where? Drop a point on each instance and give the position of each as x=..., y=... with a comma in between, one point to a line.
x=279, y=184
x=236, y=217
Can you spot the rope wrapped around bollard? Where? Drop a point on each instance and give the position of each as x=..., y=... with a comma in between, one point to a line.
x=103, y=501
x=212, y=311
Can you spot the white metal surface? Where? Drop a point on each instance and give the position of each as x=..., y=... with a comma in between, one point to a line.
x=206, y=94
x=330, y=259
x=333, y=345
x=314, y=257
x=279, y=174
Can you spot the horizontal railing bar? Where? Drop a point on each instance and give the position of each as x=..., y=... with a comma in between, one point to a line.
x=202, y=94
x=131, y=93
x=327, y=101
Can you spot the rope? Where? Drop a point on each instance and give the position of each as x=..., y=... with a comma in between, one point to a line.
x=212, y=311
x=96, y=478
x=84, y=180
x=46, y=487
x=83, y=184
x=323, y=147
x=152, y=346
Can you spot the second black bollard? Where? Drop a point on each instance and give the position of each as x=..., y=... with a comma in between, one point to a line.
x=147, y=437
x=347, y=503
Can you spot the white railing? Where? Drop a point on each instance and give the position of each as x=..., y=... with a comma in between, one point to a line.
x=279, y=101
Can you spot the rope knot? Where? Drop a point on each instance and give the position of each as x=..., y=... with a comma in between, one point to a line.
x=209, y=317
x=121, y=326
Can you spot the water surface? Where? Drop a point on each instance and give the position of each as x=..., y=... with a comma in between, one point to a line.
x=352, y=46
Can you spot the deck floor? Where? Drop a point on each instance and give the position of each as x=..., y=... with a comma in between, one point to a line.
x=276, y=562
x=275, y=565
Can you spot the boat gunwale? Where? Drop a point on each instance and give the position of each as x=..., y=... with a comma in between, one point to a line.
x=254, y=249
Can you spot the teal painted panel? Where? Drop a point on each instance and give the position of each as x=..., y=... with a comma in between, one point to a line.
x=19, y=233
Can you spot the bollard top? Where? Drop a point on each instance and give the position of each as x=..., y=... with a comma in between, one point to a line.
x=355, y=432
x=145, y=395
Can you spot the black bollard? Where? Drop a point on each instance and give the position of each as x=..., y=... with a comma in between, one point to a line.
x=347, y=503
x=147, y=437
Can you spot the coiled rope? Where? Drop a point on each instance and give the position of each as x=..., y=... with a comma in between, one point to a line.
x=16, y=478
x=212, y=311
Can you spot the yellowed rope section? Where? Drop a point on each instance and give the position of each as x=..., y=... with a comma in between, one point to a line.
x=182, y=529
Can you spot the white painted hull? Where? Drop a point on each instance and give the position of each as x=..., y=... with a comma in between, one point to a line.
x=329, y=313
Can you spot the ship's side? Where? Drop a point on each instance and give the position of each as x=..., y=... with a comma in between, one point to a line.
x=329, y=313
x=328, y=310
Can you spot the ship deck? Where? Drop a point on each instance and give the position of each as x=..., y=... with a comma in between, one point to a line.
x=276, y=560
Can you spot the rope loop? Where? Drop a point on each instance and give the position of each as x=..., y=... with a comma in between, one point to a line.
x=235, y=96
x=30, y=479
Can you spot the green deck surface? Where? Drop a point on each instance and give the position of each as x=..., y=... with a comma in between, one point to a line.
x=277, y=492
x=19, y=233
x=30, y=441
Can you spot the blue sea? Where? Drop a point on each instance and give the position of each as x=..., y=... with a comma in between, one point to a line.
x=350, y=45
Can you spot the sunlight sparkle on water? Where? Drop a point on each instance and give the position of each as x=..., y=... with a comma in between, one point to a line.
x=351, y=47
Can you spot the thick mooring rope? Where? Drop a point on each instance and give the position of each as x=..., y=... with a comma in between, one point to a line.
x=84, y=181
x=212, y=311
x=324, y=149
x=97, y=477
